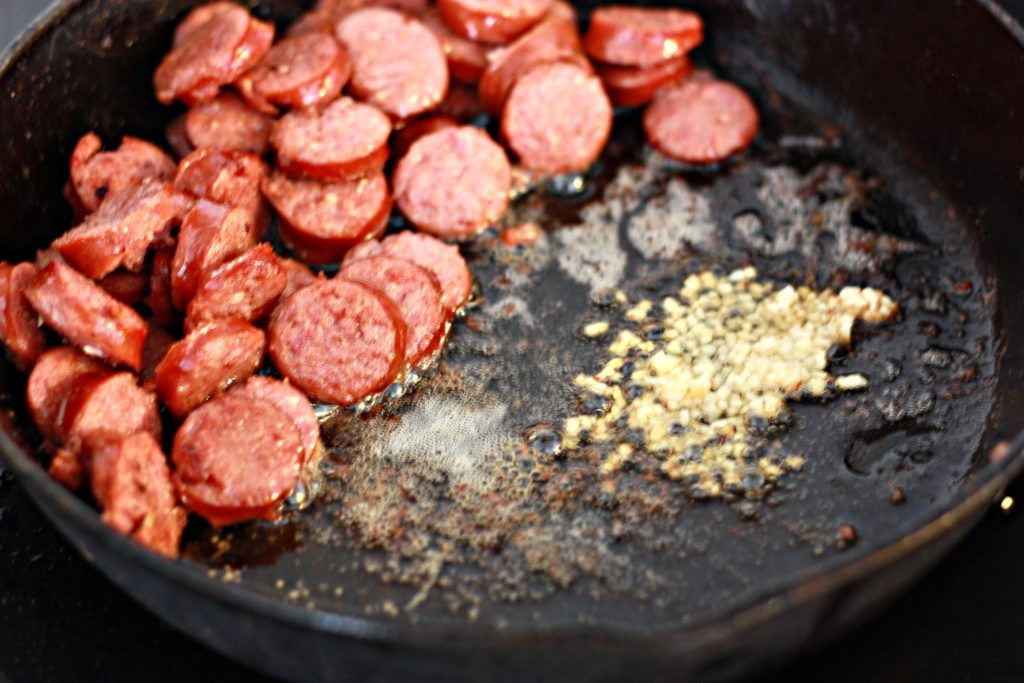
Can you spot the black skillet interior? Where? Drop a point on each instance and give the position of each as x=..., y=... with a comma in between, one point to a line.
x=911, y=108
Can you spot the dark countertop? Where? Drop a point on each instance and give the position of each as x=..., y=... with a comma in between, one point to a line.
x=61, y=620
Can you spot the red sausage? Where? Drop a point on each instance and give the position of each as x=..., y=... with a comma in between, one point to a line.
x=346, y=140
x=299, y=276
x=228, y=177
x=211, y=49
x=453, y=182
x=106, y=404
x=320, y=221
x=81, y=312
x=226, y=122
x=338, y=340
x=121, y=232
x=50, y=382
x=416, y=292
x=404, y=137
x=160, y=300
x=552, y=40
x=641, y=36
x=701, y=122
x=557, y=118
x=467, y=59
x=245, y=288
x=302, y=71
x=210, y=235
x=132, y=484
x=289, y=401
x=177, y=138
x=630, y=86
x=443, y=260
x=125, y=286
x=492, y=21
x=19, y=324
x=405, y=81
x=235, y=459
x=96, y=174
x=206, y=362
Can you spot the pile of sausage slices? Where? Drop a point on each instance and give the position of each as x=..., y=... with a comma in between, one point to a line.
x=160, y=308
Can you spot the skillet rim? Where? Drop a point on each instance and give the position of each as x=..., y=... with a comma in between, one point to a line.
x=977, y=492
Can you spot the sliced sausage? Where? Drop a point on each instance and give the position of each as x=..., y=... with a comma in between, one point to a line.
x=211, y=49
x=338, y=340
x=19, y=324
x=177, y=138
x=301, y=71
x=320, y=221
x=210, y=235
x=96, y=174
x=132, y=484
x=560, y=9
x=557, y=118
x=227, y=122
x=290, y=401
x=641, y=36
x=552, y=40
x=467, y=59
x=246, y=288
x=106, y=404
x=160, y=300
x=631, y=86
x=443, y=260
x=403, y=138
x=206, y=362
x=121, y=232
x=492, y=21
x=228, y=177
x=346, y=140
x=67, y=469
x=299, y=276
x=49, y=384
x=453, y=182
x=416, y=292
x=701, y=122
x=402, y=82
x=125, y=286
x=81, y=312
x=235, y=459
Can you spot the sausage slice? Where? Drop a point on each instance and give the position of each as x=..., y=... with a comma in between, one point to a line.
x=467, y=59
x=210, y=235
x=246, y=288
x=631, y=86
x=96, y=174
x=49, y=384
x=302, y=71
x=106, y=404
x=289, y=401
x=228, y=177
x=492, y=21
x=19, y=324
x=227, y=122
x=641, y=36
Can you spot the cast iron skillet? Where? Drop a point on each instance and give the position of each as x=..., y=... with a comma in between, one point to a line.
x=925, y=98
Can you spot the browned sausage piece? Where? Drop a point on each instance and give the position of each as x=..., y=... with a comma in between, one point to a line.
x=552, y=40
x=701, y=122
x=630, y=86
x=206, y=362
x=160, y=300
x=121, y=232
x=641, y=36
x=132, y=484
x=492, y=21
x=106, y=404
x=443, y=260
x=125, y=286
x=346, y=140
x=227, y=122
x=560, y=9
x=49, y=384
x=467, y=59
x=302, y=71
x=453, y=182
x=81, y=312
x=338, y=340
x=416, y=292
x=67, y=469
x=289, y=401
x=320, y=221
x=19, y=324
x=228, y=177
x=246, y=288
x=210, y=235
x=299, y=276
x=236, y=459
x=403, y=82
x=96, y=174
x=214, y=49
x=557, y=118
x=404, y=137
